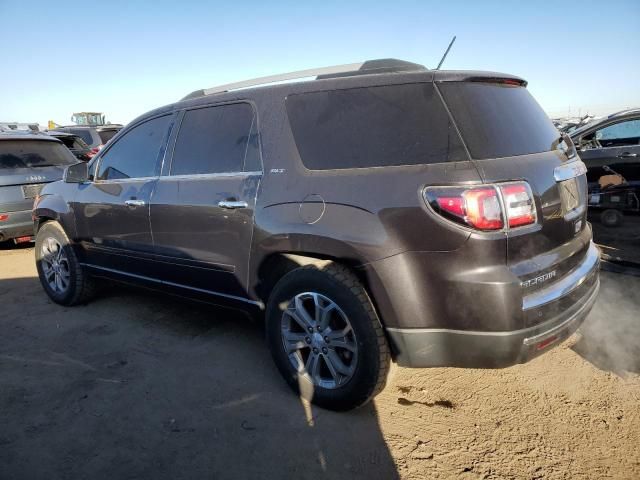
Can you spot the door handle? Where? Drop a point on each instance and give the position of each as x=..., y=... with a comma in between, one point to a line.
x=134, y=203
x=627, y=155
x=231, y=204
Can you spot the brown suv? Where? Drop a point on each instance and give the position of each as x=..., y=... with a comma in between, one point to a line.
x=380, y=211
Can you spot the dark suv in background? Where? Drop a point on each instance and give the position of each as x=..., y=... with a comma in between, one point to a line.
x=27, y=162
x=74, y=143
x=381, y=211
x=94, y=137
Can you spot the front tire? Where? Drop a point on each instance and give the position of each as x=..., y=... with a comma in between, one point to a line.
x=65, y=281
x=325, y=337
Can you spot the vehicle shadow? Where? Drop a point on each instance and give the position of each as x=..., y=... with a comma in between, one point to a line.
x=609, y=336
x=11, y=245
x=141, y=385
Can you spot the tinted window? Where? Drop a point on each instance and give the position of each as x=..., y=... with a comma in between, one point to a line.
x=73, y=142
x=499, y=120
x=33, y=153
x=83, y=133
x=372, y=127
x=68, y=141
x=213, y=140
x=106, y=135
x=135, y=154
x=79, y=144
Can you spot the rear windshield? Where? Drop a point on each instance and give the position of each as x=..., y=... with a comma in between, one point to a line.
x=33, y=154
x=73, y=142
x=499, y=120
x=84, y=134
x=106, y=135
x=79, y=144
x=372, y=127
x=68, y=141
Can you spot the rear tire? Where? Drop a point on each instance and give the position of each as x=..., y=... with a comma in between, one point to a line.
x=351, y=359
x=65, y=281
x=611, y=218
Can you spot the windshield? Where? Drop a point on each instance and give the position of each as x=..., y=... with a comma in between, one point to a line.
x=33, y=154
x=498, y=120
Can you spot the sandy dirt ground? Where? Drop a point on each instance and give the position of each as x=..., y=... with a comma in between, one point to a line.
x=139, y=385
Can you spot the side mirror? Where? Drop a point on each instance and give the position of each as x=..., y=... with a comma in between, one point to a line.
x=76, y=173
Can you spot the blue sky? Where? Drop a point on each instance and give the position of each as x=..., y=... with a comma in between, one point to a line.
x=124, y=58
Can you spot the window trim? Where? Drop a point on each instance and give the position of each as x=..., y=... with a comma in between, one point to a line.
x=204, y=176
x=180, y=118
x=124, y=132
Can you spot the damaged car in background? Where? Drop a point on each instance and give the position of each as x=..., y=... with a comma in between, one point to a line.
x=610, y=148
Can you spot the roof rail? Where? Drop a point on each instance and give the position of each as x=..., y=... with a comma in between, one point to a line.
x=368, y=67
x=628, y=110
x=20, y=126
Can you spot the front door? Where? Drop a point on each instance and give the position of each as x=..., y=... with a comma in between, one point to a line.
x=112, y=211
x=203, y=205
x=614, y=149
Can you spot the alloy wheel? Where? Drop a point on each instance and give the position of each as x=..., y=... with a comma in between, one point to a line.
x=55, y=265
x=319, y=340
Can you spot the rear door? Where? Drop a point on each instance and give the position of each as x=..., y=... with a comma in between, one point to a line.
x=511, y=138
x=112, y=211
x=203, y=205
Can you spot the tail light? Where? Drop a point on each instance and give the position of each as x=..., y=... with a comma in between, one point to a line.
x=518, y=201
x=92, y=153
x=485, y=208
x=4, y=217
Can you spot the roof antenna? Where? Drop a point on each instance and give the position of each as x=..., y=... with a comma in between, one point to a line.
x=446, y=53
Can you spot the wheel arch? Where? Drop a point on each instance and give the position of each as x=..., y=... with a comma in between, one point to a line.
x=53, y=208
x=275, y=265
x=272, y=267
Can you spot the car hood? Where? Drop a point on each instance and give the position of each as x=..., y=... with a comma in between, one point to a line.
x=22, y=176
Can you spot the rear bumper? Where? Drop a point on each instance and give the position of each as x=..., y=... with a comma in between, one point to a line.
x=19, y=224
x=563, y=306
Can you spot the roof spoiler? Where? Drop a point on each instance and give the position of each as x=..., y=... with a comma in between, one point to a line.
x=387, y=65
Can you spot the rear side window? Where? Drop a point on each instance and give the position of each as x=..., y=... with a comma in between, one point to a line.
x=135, y=154
x=214, y=140
x=499, y=120
x=83, y=133
x=33, y=154
x=372, y=127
